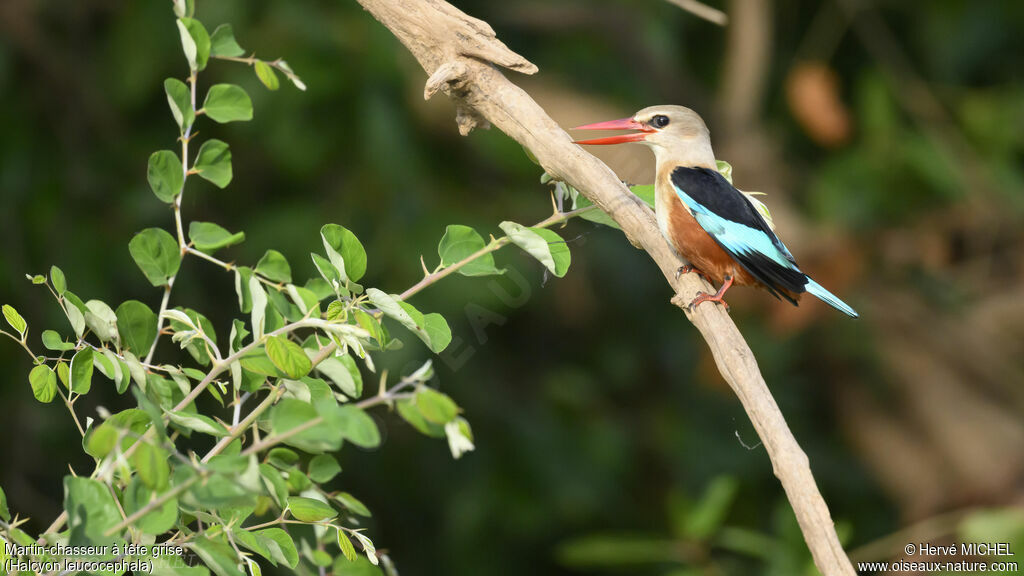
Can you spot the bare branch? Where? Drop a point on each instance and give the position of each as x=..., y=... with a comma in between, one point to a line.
x=435, y=34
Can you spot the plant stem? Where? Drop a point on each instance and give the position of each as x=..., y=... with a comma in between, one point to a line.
x=494, y=246
x=182, y=244
x=21, y=342
x=153, y=505
x=237, y=431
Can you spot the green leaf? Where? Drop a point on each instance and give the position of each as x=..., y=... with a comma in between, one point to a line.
x=222, y=42
x=310, y=510
x=156, y=253
x=347, y=549
x=160, y=519
x=267, y=75
x=327, y=270
x=438, y=332
x=81, y=371
x=199, y=51
x=151, y=465
x=368, y=547
x=345, y=251
x=436, y=406
x=15, y=319
x=217, y=556
x=209, y=237
x=165, y=175
x=544, y=245
x=60, y=284
x=214, y=162
x=409, y=412
x=323, y=467
x=188, y=46
x=136, y=324
x=274, y=484
x=227, y=103
x=274, y=266
x=288, y=357
x=460, y=242
x=197, y=422
x=44, y=383
x=75, y=310
x=284, y=67
x=644, y=192
x=126, y=425
x=345, y=375
x=352, y=423
x=53, y=341
x=282, y=458
x=432, y=328
x=259, y=307
x=179, y=98
x=101, y=320
x=290, y=413
x=91, y=510
x=725, y=169
x=280, y=545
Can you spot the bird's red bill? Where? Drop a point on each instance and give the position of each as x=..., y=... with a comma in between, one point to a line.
x=620, y=124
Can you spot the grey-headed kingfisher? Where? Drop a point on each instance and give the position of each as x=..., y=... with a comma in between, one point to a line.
x=708, y=222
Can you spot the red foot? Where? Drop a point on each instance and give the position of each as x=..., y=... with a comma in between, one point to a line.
x=717, y=297
x=703, y=297
x=687, y=269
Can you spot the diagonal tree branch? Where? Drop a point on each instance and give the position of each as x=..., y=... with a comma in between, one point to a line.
x=457, y=51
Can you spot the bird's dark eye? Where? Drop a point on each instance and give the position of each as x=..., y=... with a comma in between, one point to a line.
x=659, y=121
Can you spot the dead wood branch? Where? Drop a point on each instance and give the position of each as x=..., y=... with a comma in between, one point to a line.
x=457, y=52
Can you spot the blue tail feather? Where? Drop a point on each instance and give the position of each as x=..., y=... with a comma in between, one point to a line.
x=829, y=298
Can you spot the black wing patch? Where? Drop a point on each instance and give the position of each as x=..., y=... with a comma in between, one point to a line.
x=715, y=196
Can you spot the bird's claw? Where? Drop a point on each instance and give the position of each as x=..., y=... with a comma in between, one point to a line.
x=686, y=269
x=704, y=297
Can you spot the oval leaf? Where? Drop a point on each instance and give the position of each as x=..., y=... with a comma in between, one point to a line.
x=345, y=251
x=222, y=42
x=460, y=242
x=288, y=357
x=165, y=175
x=210, y=237
x=44, y=383
x=156, y=253
x=213, y=163
x=267, y=75
x=275, y=267
x=310, y=510
x=136, y=324
x=227, y=103
x=179, y=98
x=544, y=245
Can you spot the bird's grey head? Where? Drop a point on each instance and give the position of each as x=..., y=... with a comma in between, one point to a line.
x=671, y=126
x=676, y=134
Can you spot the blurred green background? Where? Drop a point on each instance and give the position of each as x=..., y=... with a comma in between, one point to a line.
x=888, y=136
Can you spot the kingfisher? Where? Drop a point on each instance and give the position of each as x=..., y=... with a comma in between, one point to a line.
x=710, y=224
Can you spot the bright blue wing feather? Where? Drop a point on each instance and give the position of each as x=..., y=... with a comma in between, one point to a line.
x=737, y=238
